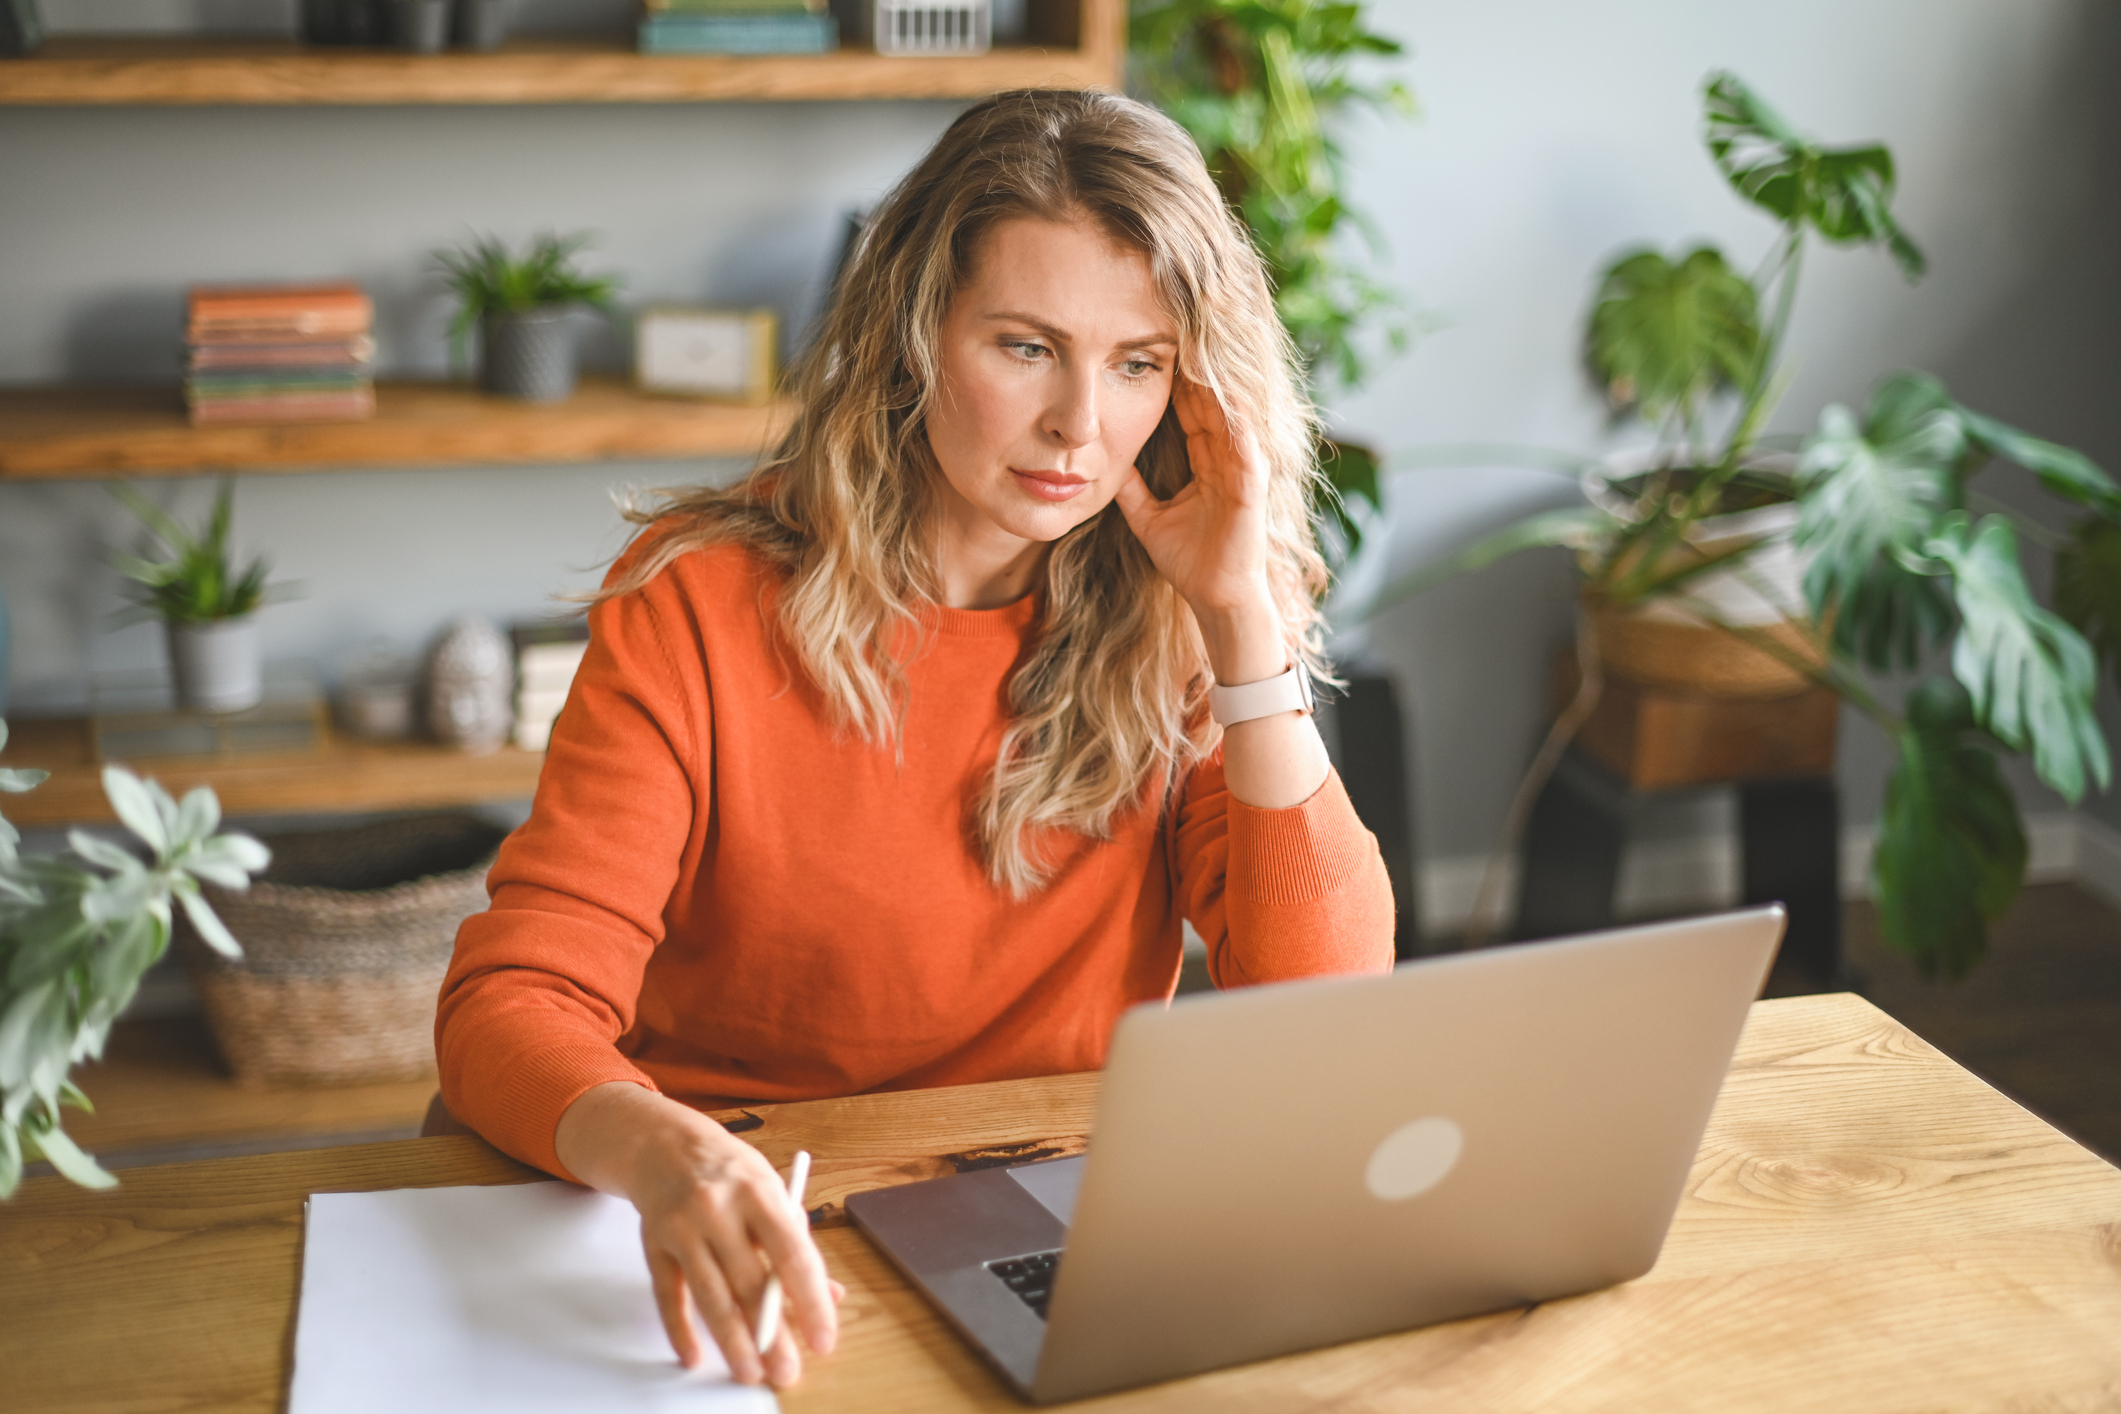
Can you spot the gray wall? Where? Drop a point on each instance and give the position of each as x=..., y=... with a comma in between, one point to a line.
x=1554, y=133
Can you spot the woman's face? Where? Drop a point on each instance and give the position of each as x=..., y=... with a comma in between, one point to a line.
x=1056, y=366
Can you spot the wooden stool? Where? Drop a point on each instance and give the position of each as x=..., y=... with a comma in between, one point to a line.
x=1642, y=743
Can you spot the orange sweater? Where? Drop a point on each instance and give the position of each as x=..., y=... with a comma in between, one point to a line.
x=719, y=897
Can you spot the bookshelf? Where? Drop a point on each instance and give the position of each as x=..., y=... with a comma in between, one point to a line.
x=1082, y=48
x=350, y=776
x=62, y=433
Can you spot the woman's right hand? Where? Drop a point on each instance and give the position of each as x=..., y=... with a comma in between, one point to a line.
x=714, y=1215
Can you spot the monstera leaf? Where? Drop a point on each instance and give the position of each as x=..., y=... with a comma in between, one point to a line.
x=2030, y=675
x=1951, y=851
x=2087, y=587
x=1665, y=336
x=1843, y=193
x=2068, y=473
x=1868, y=499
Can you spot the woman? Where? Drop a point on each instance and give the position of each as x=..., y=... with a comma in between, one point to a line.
x=898, y=763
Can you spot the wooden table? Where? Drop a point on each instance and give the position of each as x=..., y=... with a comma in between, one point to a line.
x=1868, y=1228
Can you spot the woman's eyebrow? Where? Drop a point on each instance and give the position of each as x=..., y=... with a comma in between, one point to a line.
x=1140, y=341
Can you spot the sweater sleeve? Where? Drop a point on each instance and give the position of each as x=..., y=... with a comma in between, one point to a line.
x=1279, y=894
x=545, y=982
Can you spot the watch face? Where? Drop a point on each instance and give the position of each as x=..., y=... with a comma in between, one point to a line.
x=696, y=353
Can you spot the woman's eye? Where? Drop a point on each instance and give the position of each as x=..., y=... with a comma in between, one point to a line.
x=1029, y=353
x=1137, y=368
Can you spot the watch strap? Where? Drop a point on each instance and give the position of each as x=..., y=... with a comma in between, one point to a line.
x=1287, y=692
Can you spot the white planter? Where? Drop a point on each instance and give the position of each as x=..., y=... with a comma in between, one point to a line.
x=216, y=664
x=1767, y=588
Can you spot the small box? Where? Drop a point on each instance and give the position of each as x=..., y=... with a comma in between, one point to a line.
x=933, y=26
x=687, y=351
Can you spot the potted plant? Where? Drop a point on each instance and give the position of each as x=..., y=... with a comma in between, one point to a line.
x=1867, y=552
x=1257, y=83
x=75, y=937
x=208, y=609
x=523, y=308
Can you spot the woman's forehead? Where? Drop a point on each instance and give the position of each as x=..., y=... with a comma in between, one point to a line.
x=1071, y=275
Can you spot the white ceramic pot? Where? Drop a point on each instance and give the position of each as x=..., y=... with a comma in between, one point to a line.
x=1768, y=586
x=216, y=664
x=1666, y=644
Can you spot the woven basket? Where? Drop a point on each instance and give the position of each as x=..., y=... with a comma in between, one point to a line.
x=345, y=941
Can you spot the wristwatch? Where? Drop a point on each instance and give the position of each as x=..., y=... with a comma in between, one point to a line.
x=1290, y=692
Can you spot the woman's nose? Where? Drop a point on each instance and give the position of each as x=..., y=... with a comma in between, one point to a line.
x=1072, y=417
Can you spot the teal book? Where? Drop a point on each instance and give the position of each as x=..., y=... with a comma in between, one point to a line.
x=739, y=32
x=297, y=377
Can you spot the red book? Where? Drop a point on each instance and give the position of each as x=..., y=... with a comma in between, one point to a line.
x=223, y=311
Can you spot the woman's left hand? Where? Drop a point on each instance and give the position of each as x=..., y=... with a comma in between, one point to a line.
x=1209, y=540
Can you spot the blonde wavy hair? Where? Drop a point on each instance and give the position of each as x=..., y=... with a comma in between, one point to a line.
x=1109, y=705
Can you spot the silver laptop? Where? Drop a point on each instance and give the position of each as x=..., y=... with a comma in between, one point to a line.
x=1296, y=1165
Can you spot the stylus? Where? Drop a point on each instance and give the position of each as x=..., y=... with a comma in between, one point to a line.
x=770, y=1303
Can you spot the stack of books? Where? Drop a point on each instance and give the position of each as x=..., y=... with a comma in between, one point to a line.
x=280, y=353
x=738, y=27
x=547, y=655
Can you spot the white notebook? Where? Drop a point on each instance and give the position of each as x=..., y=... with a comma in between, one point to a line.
x=524, y=1298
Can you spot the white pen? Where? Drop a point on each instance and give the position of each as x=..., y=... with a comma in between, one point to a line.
x=770, y=1303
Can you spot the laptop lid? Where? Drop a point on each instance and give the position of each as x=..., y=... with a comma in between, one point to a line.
x=1296, y=1165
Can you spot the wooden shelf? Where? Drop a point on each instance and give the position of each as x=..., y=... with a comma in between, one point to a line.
x=184, y=70
x=68, y=432
x=346, y=776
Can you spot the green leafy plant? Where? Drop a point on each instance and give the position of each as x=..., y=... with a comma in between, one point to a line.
x=198, y=584
x=76, y=934
x=488, y=279
x=1258, y=84
x=1905, y=558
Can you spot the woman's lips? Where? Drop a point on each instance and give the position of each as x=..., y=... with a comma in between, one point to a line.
x=1049, y=485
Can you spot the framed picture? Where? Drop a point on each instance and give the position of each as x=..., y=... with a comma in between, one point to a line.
x=694, y=352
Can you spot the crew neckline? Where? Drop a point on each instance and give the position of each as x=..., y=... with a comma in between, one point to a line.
x=1008, y=621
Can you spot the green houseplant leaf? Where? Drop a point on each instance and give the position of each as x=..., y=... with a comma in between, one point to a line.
x=1663, y=336
x=75, y=936
x=1869, y=497
x=489, y=279
x=1951, y=852
x=1844, y=193
x=2066, y=472
x=2030, y=676
x=198, y=584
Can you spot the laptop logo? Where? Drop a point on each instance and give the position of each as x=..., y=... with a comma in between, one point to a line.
x=1414, y=1158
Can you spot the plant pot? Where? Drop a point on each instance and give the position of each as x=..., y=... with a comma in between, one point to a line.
x=216, y=664
x=1666, y=644
x=529, y=355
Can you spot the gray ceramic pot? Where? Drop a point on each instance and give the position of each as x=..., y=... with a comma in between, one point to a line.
x=529, y=355
x=216, y=664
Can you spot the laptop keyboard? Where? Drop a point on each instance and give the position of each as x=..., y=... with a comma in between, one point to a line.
x=1030, y=1277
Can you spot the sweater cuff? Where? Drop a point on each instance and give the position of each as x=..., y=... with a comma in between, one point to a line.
x=537, y=1087
x=1299, y=854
